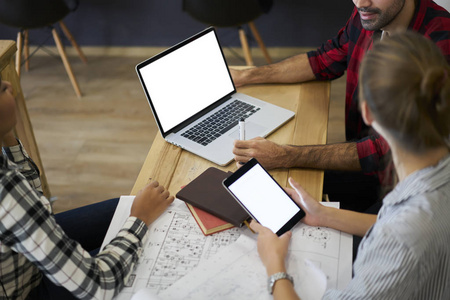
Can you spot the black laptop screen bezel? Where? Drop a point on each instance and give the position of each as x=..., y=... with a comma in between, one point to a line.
x=203, y=111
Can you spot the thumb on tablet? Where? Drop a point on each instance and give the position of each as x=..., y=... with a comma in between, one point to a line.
x=304, y=197
x=298, y=188
x=312, y=208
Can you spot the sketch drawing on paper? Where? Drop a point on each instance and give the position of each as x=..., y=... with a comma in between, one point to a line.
x=176, y=247
x=320, y=235
x=183, y=247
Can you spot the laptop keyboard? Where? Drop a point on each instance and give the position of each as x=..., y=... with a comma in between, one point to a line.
x=220, y=122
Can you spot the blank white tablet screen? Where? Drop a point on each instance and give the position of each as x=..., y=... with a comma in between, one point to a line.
x=264, y=198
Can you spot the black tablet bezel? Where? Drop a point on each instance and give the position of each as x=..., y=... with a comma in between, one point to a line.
x=244, y=169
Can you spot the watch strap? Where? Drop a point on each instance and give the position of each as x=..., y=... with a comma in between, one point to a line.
x=275, y=277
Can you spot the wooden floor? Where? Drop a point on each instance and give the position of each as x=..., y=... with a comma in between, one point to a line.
x=93, y=148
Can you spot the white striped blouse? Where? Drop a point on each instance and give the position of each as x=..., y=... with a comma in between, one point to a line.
x=406, y=253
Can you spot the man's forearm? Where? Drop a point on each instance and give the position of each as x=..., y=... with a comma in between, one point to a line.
x=343, y=157
x=291, y=70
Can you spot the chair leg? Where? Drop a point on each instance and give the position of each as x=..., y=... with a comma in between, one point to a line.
x=66, y=63
x=19, y=52
x=260, y=42
x=245, y=47
x=26, y=50
x=72, y=41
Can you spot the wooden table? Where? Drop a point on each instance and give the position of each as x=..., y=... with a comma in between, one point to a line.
x=24, y=129
x=174, y=167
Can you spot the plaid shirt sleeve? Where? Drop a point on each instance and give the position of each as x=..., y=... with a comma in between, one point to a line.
x=433, y=21
x=25, y=164
x=329, y=61
x=373, y=153
x=28, y=228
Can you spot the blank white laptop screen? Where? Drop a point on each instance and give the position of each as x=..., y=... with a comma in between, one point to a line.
x=186, y=81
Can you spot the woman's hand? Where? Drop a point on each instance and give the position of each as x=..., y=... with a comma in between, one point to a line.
x=9, y=139
x=315, y=212
x=151, y=202
x=271, y=248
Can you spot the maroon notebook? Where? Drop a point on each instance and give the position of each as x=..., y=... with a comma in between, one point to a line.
x=208, y=223
x=207, y=193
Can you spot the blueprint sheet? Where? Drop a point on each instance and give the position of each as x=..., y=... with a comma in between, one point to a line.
x=174, y=247
x=179, y=262
x=318, y=259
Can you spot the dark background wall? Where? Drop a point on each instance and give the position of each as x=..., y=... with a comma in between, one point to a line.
x=290, y=23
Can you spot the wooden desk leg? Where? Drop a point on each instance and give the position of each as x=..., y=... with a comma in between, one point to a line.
x=24, y=129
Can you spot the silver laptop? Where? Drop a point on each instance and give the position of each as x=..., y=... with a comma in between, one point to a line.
x=194, y=101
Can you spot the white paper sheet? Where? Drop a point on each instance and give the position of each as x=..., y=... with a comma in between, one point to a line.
x=145, y=294
x=318, y=258
x=174, y=247
x=179, y=262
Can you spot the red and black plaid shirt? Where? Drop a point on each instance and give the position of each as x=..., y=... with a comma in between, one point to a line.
x=345, y=52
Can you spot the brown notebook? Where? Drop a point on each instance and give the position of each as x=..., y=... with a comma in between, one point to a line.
x=207, y=193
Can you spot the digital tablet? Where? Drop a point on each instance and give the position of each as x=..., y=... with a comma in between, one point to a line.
x=263, y=198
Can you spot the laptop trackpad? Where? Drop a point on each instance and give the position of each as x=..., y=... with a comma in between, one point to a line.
x=252, y=130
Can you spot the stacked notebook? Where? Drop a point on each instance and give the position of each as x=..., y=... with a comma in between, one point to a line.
x=212, y=206
x=207, y=222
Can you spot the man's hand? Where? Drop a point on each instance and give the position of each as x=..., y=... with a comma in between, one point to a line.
x=342, y=156
x=151, y=202
x=268, y=154
x=290, y=70
x=237, y=76
x=271, y=248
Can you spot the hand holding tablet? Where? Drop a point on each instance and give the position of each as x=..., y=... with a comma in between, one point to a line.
x=263, y=198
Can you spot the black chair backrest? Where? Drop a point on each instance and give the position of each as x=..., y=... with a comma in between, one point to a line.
x=226, y=13
x=26, y=14
x=266, y=5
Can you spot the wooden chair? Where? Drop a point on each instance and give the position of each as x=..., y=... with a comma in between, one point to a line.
x=31, y=14
x=232, y=13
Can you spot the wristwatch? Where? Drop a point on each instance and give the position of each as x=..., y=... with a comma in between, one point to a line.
x=278, y=276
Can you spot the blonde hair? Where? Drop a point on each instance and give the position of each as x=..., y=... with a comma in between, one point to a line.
x=405, y=81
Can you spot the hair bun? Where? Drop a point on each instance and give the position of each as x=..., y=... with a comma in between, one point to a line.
x=432, y=83
x=435, y=92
